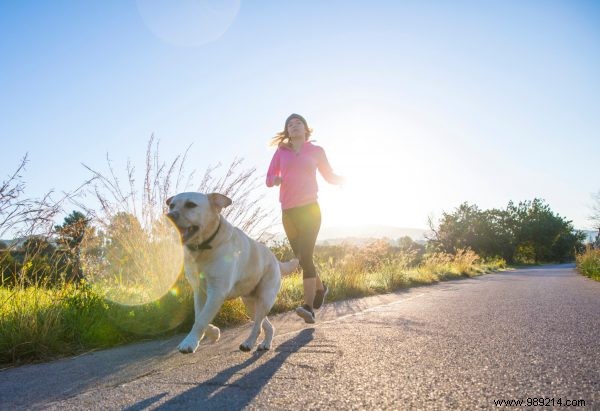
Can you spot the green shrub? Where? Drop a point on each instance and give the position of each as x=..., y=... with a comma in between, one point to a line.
x=588, y=263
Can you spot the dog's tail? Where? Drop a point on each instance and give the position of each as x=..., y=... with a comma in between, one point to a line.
x=288, y=267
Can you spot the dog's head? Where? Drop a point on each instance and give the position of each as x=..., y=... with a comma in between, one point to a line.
x=195, y=214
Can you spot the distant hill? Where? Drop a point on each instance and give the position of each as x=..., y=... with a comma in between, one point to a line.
x=361, y=235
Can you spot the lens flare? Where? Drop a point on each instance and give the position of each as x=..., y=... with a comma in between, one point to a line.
x=139, y=271
x=131, y=264
x=188, y=23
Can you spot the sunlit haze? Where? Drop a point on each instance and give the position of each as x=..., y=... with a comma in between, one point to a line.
x=420, y=105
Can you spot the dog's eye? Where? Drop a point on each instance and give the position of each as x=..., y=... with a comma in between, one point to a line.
x=189, y=204
x=171, y=206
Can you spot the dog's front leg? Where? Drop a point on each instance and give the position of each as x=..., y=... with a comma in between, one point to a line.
x=204, y=313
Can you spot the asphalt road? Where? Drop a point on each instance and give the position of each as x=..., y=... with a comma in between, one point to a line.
x=456, y=345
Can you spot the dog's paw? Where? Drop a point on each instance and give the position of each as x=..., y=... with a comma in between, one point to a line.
x=244, y=347
x=186, y=349
x=213, y=333
x=263, y=347
x=188, y=346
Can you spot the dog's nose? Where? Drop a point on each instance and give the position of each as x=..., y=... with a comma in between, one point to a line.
x=173, y=215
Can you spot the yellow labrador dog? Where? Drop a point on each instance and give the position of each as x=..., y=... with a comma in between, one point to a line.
x=221, y=262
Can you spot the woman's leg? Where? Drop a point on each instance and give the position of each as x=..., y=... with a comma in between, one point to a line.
x=310, y=224
x=291, y=231
x=302, y=226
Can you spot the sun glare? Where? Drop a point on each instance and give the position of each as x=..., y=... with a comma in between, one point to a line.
x=384, y=162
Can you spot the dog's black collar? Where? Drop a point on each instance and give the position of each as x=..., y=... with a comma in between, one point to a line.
x=204, y=245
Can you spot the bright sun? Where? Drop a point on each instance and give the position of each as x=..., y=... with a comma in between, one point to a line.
x=385, y=162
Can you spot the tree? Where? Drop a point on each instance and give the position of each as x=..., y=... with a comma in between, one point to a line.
x=487, y=232
x=72, y=230
x=548, y=235
x=457, y=230
x=126, y=243
x=595, y=217
x=70, y=235
x=527, y=232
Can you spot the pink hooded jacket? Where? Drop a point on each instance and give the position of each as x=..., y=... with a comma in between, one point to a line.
x=298, y=172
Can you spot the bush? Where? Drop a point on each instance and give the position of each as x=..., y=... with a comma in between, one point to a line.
x=588, y=263
x=529, y=232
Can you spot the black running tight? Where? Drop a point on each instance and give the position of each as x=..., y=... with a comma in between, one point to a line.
x=301, y=225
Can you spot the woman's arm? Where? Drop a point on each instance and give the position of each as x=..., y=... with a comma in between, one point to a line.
x=274, y=172
x=326, y=171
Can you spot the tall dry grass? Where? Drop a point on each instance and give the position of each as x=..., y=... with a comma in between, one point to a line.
x=380, y=268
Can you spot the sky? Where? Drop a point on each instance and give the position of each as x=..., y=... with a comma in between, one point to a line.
x=420, y=105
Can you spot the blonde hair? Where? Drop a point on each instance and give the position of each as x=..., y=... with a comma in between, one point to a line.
x=283, y=138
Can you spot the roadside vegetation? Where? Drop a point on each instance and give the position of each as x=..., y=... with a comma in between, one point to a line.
x=588, y=263
x=103, y=278
x=39, y=323
x=522, y=234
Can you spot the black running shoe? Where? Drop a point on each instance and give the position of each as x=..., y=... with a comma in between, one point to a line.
x=320, y=297
x=306, y=313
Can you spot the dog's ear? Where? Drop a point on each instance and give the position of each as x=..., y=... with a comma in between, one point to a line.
x=219, y=201
x=169, y=200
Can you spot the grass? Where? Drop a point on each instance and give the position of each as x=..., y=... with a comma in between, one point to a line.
x=588, y=263
x=40, y=324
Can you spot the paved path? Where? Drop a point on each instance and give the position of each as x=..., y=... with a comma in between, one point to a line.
x=459, y=344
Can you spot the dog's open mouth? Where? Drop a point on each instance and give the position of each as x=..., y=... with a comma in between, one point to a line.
x=187, y=232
